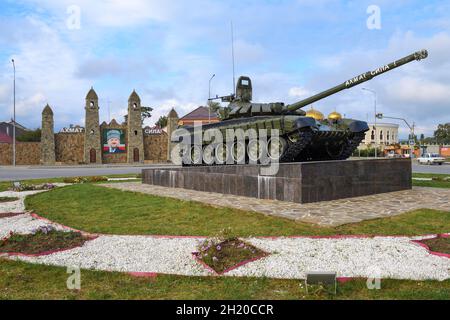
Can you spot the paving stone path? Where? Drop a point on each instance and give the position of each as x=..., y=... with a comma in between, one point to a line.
x=326, y=213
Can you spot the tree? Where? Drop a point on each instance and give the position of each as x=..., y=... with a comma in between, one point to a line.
x=162, y=122
x=442, y=134
x=146, y=112
x=221, y=112
x=30, y=136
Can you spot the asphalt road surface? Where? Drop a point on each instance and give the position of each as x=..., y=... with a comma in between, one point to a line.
x=424, y=168
x=8, y=173
x=25, y=172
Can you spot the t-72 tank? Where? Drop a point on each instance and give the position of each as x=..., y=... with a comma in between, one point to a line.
x=302, y=136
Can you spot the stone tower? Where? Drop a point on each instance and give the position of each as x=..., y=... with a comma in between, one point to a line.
x=47, y=137
x=172, y=124
x=92, y=139
x=135, y=147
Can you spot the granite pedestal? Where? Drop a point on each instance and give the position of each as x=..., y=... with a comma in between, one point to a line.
x=301, y=182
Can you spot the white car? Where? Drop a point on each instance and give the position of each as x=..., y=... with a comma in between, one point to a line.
x=431, y=158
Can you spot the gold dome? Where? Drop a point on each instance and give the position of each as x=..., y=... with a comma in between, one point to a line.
x=314, y=114
x=334, y=116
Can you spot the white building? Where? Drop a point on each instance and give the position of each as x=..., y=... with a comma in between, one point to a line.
x=381, y=134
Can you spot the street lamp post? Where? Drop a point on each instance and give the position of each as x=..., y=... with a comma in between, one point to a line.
x=209, y=98
x=375, y=123
x=14, y=114
x=411, y=128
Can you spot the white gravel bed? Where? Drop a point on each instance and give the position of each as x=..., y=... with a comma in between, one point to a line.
x=383, y=257
x=130, y=254
x=23, y=224
x=18, y=205
x=290, y=258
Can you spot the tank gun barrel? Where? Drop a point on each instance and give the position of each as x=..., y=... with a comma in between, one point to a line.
x=419, y=55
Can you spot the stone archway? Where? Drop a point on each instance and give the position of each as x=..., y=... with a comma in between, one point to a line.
x=136, y=155
x=92, y=156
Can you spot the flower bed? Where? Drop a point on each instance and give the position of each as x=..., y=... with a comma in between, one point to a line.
x=9, y=214
x=439, y=244
x=8, y=199
x=228, y=254
x=42, y=240
x=31, y=187
x=85, y=179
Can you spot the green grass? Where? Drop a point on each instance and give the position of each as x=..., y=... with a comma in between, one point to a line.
x=103, y=210
x=8, y=199
x=19, y=280
x=5, y=185
x=41, y=242
x=440, y=244
x=441, y=183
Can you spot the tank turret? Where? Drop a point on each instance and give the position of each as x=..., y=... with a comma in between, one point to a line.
x=241, y=105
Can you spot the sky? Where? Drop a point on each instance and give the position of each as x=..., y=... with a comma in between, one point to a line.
x=168, y=50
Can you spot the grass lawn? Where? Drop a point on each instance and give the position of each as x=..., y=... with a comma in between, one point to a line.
x=19, y=280
x=431, y=183
x=103, y=210
x=5, y=185
x=96, y=209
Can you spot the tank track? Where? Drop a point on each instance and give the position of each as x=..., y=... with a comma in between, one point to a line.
x=296, y=148
x=351, y=146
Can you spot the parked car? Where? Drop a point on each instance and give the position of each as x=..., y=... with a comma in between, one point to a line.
x=393, y=155
x=431, y=158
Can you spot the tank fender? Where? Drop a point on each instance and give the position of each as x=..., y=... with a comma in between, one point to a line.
x=304, y=122
x=358, y=126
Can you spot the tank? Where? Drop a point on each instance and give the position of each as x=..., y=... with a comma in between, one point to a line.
x=300, y=135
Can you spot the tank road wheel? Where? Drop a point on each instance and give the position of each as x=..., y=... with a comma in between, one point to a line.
x=277, y=146
x=196, y=155
x=222, y=153
x=334, y=150
x=176, y=155
x=254, y=151
x=208, y=154
x=238, y=152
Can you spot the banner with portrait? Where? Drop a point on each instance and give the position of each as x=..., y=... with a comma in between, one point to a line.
x=113, y=141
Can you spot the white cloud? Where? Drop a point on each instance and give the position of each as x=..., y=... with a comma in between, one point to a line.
x=298, y=92
x=418, y=91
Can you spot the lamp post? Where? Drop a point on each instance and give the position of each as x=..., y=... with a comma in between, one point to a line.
x=14, y=114
x=375, y=113
x=411, y=128
x=209, y=98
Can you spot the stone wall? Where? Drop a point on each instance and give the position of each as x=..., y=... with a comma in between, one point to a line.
x=155, y=148
x=27, y=153
x=69, y=147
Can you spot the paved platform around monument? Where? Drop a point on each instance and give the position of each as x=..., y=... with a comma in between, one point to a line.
x=326, y=213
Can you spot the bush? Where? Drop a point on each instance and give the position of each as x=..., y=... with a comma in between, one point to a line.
x=30, y=187
x=75, y=180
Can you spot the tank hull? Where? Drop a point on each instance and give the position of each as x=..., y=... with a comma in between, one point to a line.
x=297, y=138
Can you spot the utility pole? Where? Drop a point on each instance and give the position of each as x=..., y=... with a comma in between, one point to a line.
x=411, y=130
x=14, y=114
x=375, y=114
x=209, y=98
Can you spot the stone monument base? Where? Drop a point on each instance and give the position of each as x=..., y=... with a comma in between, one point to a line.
x=301, y=182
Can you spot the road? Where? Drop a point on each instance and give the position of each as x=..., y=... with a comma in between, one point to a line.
x=8, y=173
x=443, y=169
